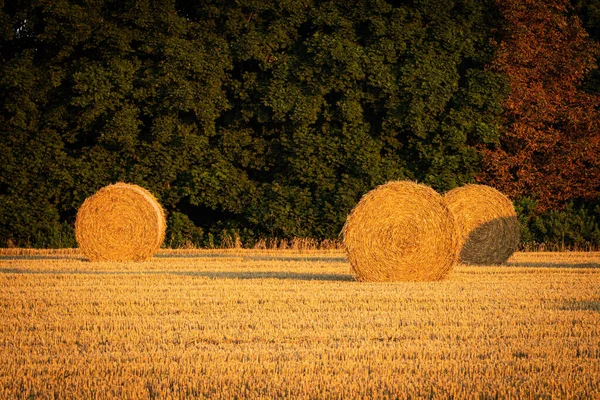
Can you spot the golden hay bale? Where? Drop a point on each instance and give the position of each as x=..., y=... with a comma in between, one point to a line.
x=157, y=207
x=121, y=222
x=401, y=231
x=487, y=224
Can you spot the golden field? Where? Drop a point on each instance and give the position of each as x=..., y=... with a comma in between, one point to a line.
x=295, y=324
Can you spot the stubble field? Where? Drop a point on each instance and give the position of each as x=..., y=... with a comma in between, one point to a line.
x=291, y=324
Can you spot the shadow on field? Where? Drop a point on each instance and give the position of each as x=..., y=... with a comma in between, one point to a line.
x=581, y=305
x=267, y=275
x=243, y=275
x=246, y=257
x=552, y=265
x=216, y=255
x=31, y=257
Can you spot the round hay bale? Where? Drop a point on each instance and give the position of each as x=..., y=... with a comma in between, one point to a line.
x=121, y=222
x=401, y=231
x=487, y=224
x=157, y=207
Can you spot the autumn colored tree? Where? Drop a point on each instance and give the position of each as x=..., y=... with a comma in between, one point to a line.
x=551, y=139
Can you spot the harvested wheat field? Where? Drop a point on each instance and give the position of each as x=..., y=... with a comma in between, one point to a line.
x=284, y=324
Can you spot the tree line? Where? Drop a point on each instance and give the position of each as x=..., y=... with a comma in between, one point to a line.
x=270, y=119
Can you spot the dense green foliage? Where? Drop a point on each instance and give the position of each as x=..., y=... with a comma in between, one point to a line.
x=577, y=226
x=253, y=118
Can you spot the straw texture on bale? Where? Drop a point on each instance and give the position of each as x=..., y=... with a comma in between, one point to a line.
x=121, y=222
x=401, y=231
x=487, y=224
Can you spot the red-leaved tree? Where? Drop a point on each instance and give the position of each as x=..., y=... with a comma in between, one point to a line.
x=550, y=144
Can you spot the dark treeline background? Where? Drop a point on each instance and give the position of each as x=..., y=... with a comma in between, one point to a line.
x=270, y=119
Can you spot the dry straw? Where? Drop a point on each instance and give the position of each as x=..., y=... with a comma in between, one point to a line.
x=121, y=222
x=401, y=231
x=487, y=223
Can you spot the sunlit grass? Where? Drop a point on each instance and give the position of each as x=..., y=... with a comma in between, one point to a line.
x=256, y=323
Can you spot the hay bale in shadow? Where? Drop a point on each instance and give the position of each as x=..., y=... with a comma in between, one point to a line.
x=487, y=224
x=121, y=222
x=401, y=231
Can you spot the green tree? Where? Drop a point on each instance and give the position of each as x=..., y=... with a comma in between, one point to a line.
x=329, y=99
x=259, y=118
x=100, y=93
